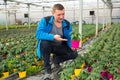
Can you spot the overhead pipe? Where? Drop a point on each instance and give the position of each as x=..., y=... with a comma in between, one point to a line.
x=24, y=3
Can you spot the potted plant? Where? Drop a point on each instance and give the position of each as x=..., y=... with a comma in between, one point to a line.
x=5, y=69
x=15, y=64
x=75, y=39
x=22, y=69
x=1, y=75
x=30, y=60
x=1, y=72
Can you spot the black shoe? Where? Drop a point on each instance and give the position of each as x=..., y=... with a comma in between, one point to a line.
x=57, y=68
x=54, y=62
x=57, y=65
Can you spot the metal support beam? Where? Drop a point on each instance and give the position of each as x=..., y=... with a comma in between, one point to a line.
x=28, y=15
x=6, y=11
x=110, y=17
x=97, y=16
x=109, y=4
x=80, y=20
x=43, y=10
x=74, y=11
x=104, y=16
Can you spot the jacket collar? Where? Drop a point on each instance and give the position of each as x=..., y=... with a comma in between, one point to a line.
x=52, y=20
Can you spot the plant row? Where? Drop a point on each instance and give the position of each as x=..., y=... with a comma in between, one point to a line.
x=101, y=60
x=18, y=49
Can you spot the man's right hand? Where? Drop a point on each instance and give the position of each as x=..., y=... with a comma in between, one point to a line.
x=74, y=49
x=58, y=38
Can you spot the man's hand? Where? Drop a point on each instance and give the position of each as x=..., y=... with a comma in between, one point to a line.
x=74, y=49
x=58, y=38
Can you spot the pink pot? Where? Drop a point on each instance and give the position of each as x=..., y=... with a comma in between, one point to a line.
x=75, y=44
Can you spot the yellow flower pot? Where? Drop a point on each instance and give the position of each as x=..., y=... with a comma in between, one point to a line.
x=72, y=77
x=77, y=71
x=83, y=65
x=1, y=78
x=22, y=74
x=14, y=70
x=5, y=74
x=87, y=38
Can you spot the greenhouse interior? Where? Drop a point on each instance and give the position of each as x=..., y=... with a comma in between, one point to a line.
x=95, y=23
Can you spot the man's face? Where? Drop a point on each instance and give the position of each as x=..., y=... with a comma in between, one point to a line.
x=58, y=15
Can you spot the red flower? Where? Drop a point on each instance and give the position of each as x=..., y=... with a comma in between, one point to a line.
x=118, y=70
x=89, y=69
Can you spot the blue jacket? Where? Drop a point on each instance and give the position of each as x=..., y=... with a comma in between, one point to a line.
x=43, y=33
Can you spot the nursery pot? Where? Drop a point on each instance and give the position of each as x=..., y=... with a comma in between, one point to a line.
x=1, y=78
x=72, y=77
x=5, y=74
x=22, y=74
x=83, y=65
x=77, y=72
x=75, y=43
x=14, y=70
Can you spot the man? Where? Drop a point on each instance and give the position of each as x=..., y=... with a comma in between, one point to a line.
x=54, y=37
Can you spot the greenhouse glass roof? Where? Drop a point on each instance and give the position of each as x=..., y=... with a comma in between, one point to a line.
x=14, y=5
x=49, y=3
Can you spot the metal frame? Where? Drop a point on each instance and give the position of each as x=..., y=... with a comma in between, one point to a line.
x=111, y=3
x=43, y=3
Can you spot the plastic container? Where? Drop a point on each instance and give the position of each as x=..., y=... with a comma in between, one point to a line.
x=22, y=74
x=75, y=44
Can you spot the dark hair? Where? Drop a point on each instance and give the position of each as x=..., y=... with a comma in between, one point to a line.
x=58, y=7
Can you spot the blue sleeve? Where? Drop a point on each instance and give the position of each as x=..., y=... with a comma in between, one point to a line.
x=42, y=32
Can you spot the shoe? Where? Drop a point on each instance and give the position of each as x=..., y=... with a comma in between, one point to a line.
x=56, y=65
x=53, y=61
x=57, y=68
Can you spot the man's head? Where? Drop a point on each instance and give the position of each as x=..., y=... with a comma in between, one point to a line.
x=58, y=12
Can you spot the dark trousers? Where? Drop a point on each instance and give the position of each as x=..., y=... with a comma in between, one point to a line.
x=61, y=52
